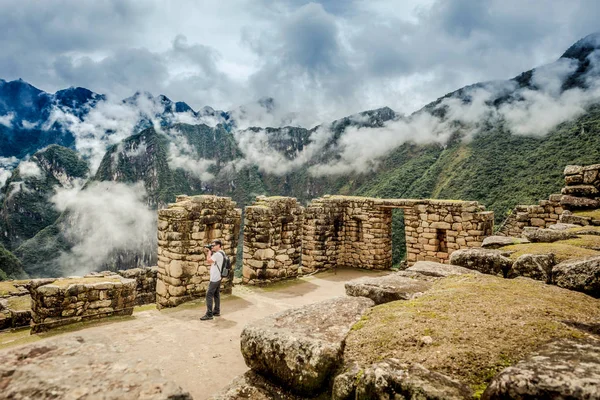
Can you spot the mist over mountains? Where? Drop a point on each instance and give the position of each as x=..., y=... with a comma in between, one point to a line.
x=81, y=174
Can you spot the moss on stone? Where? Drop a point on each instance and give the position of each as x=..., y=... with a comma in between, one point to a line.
x=563, y=251
x=64, y=283
x=479, y=324
x=7, y=288
x=19, y=303
x=585, y=241
x=594, y=214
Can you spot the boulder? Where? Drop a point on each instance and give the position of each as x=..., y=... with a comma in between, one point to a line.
x=534, y=266
x=580, y=191
x=301, y=348
x=580, y=275
x=431, y=268
x=547, y=235
x=496, y=241
x=70, y=368
x=384, y=289
x=568, y=218
x=391, y=379
x=565, y=369
x=487, y=261
x=253, y=386
x=562, y=227
x=573, y=202
x=573, y=170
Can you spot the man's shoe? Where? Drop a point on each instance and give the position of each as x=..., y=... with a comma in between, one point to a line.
x=216, y=314
x=206, y=317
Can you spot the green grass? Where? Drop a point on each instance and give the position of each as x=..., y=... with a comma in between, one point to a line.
x=563, y=251
x=7, y=288
x=479, y=324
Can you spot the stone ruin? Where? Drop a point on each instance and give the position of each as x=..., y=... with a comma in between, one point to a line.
x=581, y=192
x=272, y=239
x=183, y=229
x=357, y=231
x=63, y=301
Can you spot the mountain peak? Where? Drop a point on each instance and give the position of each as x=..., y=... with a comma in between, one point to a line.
x=583, y=47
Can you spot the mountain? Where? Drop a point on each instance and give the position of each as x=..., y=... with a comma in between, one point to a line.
x=10, y=266
x=501, y=143
x=25, y=206
x=26, y=116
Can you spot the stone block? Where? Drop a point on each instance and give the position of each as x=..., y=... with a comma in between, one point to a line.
x=301, y=348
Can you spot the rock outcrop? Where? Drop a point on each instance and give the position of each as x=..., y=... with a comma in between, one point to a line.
x=547, y=235
x=301, y=348
x=487, y=261
x=566, y=369
x=70, y=368
x=391, y=379
x=255, y=387
x=384, y=289
x=534, y=266
x=430, y=268
x=496, y=241
x=580, y=275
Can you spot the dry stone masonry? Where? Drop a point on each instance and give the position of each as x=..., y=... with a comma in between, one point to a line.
x=272, y=239
x=542, y=215
x=68, y=300
x=581, y=192
x=183, y=229
x=357, y=231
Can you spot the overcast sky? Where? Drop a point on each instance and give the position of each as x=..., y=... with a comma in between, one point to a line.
x=325, y=59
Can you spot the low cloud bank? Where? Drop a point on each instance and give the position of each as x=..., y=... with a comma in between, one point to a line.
x=105, y=220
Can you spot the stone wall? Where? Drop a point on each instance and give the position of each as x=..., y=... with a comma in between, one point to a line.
x=15, y=304
x=63, y=301
x=581, y=192
x=272, y=239
x=356, y=232
x=183, y=228
x=145, y=278
x=542, y=215
x=582, y=187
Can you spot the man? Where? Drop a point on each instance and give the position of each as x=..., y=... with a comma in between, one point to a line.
x=214, y=257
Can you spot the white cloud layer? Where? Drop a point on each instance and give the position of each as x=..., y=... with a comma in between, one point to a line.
x=102, y=220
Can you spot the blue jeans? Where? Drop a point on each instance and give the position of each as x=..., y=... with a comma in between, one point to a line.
x=213, y=293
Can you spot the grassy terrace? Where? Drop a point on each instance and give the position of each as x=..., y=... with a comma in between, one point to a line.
x=479, y=325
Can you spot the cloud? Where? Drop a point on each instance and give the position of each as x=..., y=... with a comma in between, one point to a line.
x=105, y=219
x=30, y=169
x=6, y=120
x=6, y=166
x=182, y=155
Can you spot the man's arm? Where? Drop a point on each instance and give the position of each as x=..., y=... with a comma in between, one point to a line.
x=209, y=259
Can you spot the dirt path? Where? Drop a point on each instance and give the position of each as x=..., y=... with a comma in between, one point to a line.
x=204, y=356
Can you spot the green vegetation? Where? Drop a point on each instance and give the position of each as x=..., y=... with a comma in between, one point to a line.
x=479, y=325
x=26, y=208
x=593, y=214
x=562, y=251
x=10, y=266
x=7, y=288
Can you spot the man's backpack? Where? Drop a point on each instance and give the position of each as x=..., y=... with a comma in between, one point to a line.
x=226, y=267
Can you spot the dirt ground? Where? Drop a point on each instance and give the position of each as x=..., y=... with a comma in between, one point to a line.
x=204, y=356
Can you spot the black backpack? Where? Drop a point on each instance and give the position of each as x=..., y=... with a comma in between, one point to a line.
x=226, y=267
